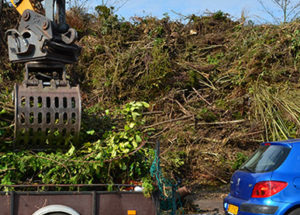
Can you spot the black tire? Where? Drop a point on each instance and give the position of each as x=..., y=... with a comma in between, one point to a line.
x=294, y=212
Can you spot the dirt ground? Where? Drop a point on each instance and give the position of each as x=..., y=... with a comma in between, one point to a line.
x=206, y=201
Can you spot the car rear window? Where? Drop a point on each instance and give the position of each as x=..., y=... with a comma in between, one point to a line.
x=267, y=158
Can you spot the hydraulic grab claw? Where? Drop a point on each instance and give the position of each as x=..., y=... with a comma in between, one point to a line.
x=46, y=106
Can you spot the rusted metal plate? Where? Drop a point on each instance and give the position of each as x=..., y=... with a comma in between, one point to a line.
x=46, y=113
x=112, y=204
x=5, y=204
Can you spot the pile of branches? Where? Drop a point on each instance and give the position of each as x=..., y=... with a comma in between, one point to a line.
x=216, y=87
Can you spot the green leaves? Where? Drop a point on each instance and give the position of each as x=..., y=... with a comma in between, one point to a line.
x=91, y=132
x=71, y=151
x=3, y=111
x=124, y=139
x=113, y=157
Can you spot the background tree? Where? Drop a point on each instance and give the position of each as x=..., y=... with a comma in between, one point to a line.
x=290, y=9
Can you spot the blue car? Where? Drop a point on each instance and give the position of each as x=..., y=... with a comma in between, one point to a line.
x=268, y=183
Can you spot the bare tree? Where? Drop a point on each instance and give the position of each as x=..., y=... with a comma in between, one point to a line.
x=76, y=3
x=290, y=9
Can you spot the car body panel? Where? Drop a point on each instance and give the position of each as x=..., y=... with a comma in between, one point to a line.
x=289, y=172
x=243, y=182
x=282, y=207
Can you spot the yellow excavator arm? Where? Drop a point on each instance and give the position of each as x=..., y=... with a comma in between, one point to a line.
x=22, y=5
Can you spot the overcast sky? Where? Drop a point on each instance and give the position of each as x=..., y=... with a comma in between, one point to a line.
x=187, y=7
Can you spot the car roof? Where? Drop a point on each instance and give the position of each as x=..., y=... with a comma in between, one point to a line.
x=288, y=142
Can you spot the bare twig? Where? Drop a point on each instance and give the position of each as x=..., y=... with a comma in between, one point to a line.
x=172, y=143
x=201, y=97
x=185, y=111
x=159, y=133
x=7, y=105
x=7, y=127
x=210, y=153
x=179, y=14
x=168, y=121
x=289, y=9
x=214, y=175
x=222, y=123
x=211, y=140
x=5, y=170
x=211, y=47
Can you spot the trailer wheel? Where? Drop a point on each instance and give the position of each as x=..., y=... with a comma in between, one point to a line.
x=57, y=214
x=56, y=210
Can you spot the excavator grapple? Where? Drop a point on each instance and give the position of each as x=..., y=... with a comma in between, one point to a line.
x=46, y=110
x=47, y=106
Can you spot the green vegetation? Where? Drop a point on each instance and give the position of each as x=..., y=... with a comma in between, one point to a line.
x=212, y=90
x=240, y=159
x=119, y=154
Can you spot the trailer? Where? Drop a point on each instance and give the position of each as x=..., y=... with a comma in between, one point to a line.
x=75, y=202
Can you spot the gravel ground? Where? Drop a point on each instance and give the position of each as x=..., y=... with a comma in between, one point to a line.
x=209, y=207
x=206, y=201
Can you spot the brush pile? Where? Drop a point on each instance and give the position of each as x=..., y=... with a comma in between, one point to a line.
x=216, y=88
